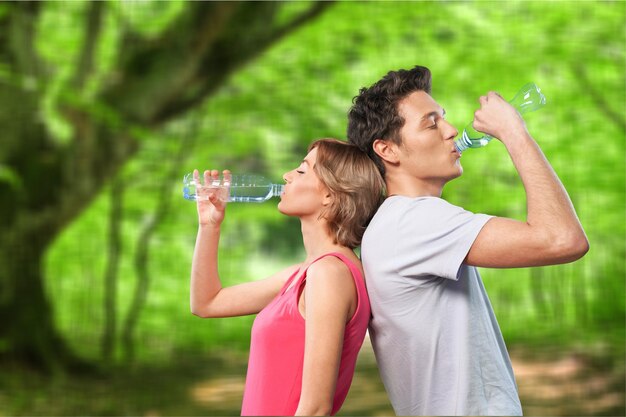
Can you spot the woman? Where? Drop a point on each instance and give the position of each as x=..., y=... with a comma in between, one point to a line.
x=313, y=315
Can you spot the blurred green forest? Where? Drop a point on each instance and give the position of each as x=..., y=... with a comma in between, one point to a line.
x=115, y=271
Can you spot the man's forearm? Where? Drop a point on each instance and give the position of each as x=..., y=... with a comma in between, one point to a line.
x=549, y=208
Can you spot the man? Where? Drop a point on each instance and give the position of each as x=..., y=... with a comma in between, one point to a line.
x=434, y=333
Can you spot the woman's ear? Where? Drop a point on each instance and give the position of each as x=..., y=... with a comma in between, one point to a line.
x=328, y=199
x=386, y=150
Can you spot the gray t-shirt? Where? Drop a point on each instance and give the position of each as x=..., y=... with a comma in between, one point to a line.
x=436, y=339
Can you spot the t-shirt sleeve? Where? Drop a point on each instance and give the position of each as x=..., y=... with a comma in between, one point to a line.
x=435, y=237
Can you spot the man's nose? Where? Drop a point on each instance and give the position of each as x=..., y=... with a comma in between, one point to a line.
x=450, y=132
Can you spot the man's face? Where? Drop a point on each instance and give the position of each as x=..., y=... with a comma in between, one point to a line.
x=427, y=151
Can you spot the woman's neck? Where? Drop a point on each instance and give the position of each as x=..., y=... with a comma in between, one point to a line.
x=317, y=240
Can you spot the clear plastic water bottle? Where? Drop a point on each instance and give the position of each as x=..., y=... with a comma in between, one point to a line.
x=241, y=189
x=528, y=99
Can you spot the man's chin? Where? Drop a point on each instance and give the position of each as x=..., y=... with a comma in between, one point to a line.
x=457, y=174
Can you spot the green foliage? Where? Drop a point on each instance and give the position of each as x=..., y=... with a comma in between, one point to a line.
x=264, y=117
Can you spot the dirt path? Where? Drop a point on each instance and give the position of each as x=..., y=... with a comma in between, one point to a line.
x=564, y=384
x=567, y=386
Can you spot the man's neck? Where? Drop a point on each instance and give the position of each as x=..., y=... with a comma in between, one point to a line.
x=408, y=186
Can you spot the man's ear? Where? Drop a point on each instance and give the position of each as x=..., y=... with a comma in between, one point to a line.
x=386, y=150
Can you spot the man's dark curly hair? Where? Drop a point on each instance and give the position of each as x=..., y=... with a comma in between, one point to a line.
x=374, y=113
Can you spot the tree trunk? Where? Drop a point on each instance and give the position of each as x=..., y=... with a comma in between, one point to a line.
x=28, y=334
x=46, y=183
x=142, y=253
x=110, y=277
x=51, y=188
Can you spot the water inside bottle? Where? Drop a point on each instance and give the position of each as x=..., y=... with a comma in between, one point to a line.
x=250, y=193
x=194, y=193
x=242, y=189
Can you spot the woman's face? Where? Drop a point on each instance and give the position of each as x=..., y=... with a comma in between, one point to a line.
x=304, y=193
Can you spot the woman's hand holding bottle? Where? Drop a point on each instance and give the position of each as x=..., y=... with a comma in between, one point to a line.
x=212, y=196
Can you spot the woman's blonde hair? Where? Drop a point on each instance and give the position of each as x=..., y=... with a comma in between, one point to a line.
x=355, y=185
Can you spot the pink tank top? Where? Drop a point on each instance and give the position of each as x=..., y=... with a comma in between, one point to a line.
x=274, y=379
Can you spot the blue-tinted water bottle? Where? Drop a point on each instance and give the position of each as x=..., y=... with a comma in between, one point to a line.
x=528, y=99
x=248, y=188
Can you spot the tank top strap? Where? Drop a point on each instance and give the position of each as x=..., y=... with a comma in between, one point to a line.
x=354, y=271
x=287, y=283
x=299, y=276
x=357, y=277
x=351, y=266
